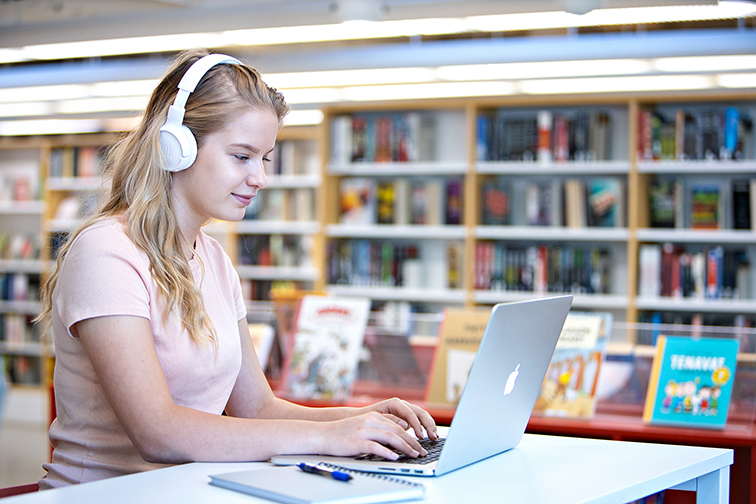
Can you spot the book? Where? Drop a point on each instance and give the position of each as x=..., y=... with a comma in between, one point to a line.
x=606, y=202
x=327, y=340
x=358, y=201
x=262, y=339
x=741, y=204
x=705, y=205
x=291, y=485
x=691, y=382
x=575, y=208
x=458, y=341
x=569, y=387
x=665, y=204
x=496, y=203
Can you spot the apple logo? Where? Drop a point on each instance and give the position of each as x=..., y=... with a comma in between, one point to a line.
x=511, y=380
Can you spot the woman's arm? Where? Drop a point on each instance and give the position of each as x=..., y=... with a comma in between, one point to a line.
x=122, y=352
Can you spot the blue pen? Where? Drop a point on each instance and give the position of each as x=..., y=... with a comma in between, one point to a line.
x=328, y=473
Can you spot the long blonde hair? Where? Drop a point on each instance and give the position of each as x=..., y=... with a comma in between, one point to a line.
x=140, y=187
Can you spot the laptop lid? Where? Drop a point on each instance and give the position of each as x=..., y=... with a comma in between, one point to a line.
x=501, y=390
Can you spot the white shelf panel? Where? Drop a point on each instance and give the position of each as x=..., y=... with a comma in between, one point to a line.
x=277, y=227
x=23, y=348
x=582, y=301
x=551, y=233
x=400, y=293
x=34, y=207
x=293, y=181
x=277, y=273
x=62, y=225
x=76, y=184
x=21, y=266
x=20, y=307
x=399, y=169
x=696, y=235
x=710, y=168
x=449, y=232
x=696, y=305
x=533, y=168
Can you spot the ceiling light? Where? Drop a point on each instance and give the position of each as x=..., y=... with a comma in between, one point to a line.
x=94, y=105
x=743, y=80
x=425, y=91
x=706, y=63
x=25, y=109
x=543, y=69
x=303, y=117
x=349, y=77
x=616, y=84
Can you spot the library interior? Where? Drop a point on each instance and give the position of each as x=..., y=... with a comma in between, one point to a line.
x=439, y=158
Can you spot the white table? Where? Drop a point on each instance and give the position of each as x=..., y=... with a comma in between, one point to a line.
x=540, y=470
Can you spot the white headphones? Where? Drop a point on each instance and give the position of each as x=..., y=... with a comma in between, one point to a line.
x=177, y=143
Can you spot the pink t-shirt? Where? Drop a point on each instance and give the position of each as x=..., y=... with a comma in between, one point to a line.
x=104, y=273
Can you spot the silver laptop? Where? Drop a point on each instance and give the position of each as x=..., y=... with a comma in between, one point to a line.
x=498, y=398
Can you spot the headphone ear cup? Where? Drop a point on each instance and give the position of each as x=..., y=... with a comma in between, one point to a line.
x=178, y=145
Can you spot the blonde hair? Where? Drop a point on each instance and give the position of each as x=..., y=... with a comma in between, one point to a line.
x=140, y=187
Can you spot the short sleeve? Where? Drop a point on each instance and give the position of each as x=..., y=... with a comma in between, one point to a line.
x=103, y=274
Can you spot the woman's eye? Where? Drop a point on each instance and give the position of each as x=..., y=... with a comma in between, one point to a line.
x=267, y=160
x=241, y=157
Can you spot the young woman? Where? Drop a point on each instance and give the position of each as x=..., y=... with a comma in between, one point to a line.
x=146, y=311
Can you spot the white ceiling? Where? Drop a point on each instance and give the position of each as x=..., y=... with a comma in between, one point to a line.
x=25, y=22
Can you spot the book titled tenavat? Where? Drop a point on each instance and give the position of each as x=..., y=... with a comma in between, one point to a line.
x=691, y=382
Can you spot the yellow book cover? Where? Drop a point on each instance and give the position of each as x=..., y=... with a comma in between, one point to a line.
x=459, y=337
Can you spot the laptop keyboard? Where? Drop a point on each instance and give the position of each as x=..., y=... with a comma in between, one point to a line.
x=432, y=447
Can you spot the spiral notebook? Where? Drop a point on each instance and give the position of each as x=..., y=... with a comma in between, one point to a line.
x=291, y=485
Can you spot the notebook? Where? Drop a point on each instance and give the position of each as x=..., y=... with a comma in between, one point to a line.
x=498, y=398
x=293, y=486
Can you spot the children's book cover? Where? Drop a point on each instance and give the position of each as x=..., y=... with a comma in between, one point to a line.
x=326, y=345
x=358, y=201
x=459, y=338
x=691, y=382
x=569, y=388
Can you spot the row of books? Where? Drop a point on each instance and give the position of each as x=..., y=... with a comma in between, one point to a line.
x=715, y=133
x=383, y=137
x=572, y=202
x=296, y=204
x=541, y=268
x=702, y=203
x=19, y=246
x=544, y=136
x=21, y=370
x=72, y=161
x=19, y=287
x=275, y=250
x=294, y=158
x=18, y=186
x=401, y=201
x=710, y=273
x=378, y=263
x=654, y=324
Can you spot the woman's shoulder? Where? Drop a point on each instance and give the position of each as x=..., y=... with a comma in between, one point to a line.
x=108, y=233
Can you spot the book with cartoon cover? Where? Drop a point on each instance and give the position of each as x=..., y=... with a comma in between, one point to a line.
x=569, y=387
x=328, y=336
x=691, y=382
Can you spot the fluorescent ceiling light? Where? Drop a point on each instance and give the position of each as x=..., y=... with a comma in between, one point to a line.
x=743, y=80
x=315, y=95
x=26, y=109
x=705, y=63
x=375, y=30
x=542, y=69
x=303, y=117
x=93, y=105
x=74, y=91
x=616, y=84
x=349, y=77
x=421, y=91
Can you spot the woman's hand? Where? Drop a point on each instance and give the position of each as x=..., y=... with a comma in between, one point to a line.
x=369, y=432
x=406, y=415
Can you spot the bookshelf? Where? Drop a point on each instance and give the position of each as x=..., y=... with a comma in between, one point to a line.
x=21, y=267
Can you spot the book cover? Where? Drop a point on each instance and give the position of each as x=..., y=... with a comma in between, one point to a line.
x=605, y=202
x=741, y=204
x=496, y=203
x=458, y=340
x=569, y=388
x=691, y=382
x=454, y=202
x=386, y=198
x=328, y=336
x=358, y=201
x=575, y=204
x=705, y=201
x=663, y=202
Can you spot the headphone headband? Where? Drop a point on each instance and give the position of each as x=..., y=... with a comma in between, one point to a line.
x=177, y=143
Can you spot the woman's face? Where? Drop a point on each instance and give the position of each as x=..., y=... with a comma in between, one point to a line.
x=228, y=172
